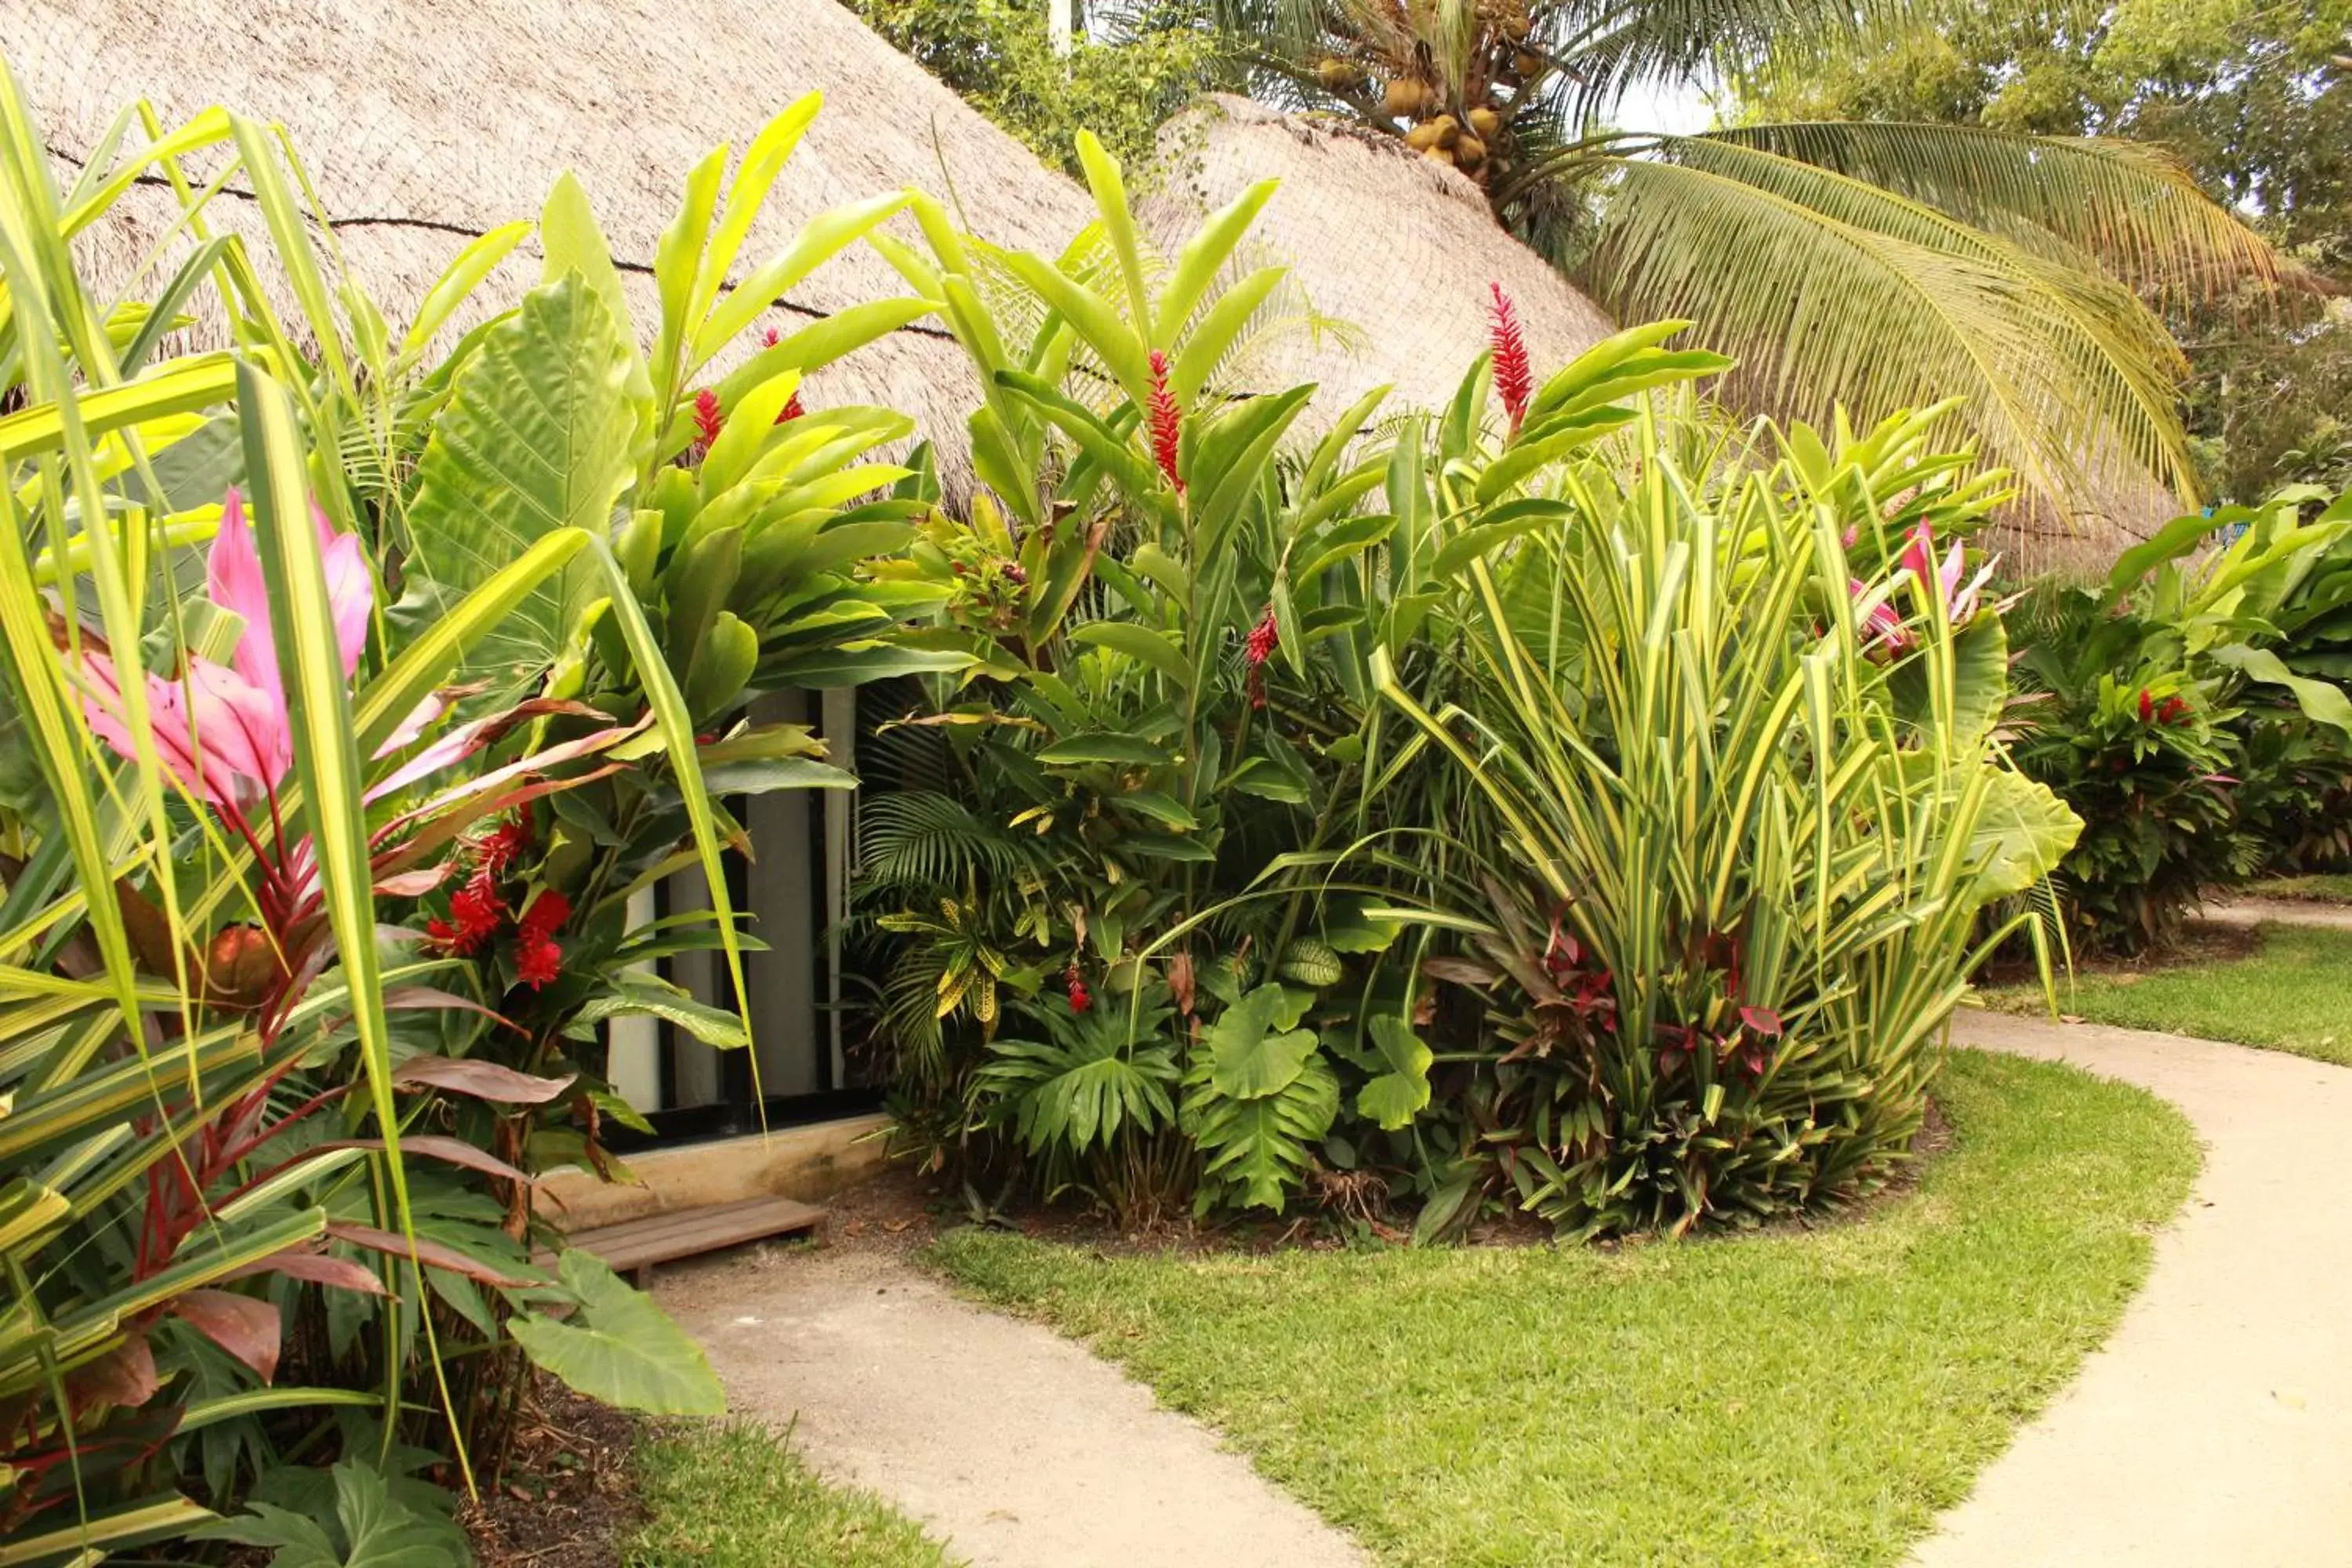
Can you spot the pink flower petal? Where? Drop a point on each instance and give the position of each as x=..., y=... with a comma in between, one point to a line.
x=233, y=578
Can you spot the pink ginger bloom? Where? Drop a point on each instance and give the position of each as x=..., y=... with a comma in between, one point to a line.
x=1960, y=603
x=223, y=731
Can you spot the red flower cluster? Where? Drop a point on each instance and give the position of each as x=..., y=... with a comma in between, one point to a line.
x=538, y=957
x=477, y=909
x=1166, y=421
x=1081, y=999
x=1264, y=639
x=2171, y=711
x=708, y=419
x=1515, y=377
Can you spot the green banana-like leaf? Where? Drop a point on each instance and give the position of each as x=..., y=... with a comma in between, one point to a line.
x=540, y=433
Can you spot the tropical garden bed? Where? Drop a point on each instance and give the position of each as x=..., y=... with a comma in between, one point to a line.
x=1577, y=804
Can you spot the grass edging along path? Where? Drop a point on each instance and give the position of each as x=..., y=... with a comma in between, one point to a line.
x=734, y=1495
x=2321, y=888
x=1794, y=1397
x=2293, y=993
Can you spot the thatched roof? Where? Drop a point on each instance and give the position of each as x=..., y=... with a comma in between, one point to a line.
x=425, y=121
x=1398, y=249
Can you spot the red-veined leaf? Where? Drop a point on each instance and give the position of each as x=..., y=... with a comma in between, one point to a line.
x=432, y=1254
x=245, y=1327
x=481, y=1080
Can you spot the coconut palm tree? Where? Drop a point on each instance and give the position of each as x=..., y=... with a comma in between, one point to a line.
x=1877, y=265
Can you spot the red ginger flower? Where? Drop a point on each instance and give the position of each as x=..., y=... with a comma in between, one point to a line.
x=1081, y=999
x=502, y=846
x=791, y=411
x=1166, y=421
x=538, y=961
x=1514, y=379
x=708, y=419
x=547, y=913
x=1264, y=639
x=2147, y=706
x=477, y=912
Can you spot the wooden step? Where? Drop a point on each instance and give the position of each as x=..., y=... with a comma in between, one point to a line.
x=683, y=1233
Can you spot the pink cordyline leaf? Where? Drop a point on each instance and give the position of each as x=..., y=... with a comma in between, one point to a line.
x=247, y=1328
x=223, y=730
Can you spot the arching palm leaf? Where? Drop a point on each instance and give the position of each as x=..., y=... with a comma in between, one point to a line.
x=2131, y=208
x=1827, y=288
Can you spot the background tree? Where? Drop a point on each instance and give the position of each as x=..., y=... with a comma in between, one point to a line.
x=1870, y=263
x=2254, y=99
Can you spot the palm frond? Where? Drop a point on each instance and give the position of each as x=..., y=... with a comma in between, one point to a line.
x=921, y=840
x=2133, y=208
x=1830, y=290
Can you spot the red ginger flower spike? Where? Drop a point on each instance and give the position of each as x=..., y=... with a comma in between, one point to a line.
x=2147, y=706
x=1166, y=421
x=1081, y=999
x=502, y=846
x=1515, y=378
x=1264, y=639
x=769, y=337
x=709, y=420
x=477, y=912
x=792, y=410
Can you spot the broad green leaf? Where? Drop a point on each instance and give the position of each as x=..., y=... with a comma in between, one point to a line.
x=540, y=433
x=1139, y=643
x=2022, y=832
x=619, y=1348
x=1103, y=746
x=1394, y=1098
x=1249, y=1058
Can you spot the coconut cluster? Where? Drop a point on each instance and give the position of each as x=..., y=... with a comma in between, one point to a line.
x=1470, y=132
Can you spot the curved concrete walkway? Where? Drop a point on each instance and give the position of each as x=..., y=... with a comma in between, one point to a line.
x=2215, y=1430
x=1018, y=1448
x=2278, y=912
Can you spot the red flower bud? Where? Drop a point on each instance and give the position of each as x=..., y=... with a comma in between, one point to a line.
x=1081, y=999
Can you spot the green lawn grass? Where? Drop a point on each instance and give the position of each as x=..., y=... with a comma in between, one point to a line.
x=733, y=1496
x=2293, y=992
x=2322, y=889
x=1790, y=1397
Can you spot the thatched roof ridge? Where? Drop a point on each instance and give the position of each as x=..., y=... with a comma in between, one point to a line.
x=1398, y=250
x=425, y=121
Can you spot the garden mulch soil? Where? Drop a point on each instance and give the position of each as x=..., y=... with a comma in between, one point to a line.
x=569, y=1498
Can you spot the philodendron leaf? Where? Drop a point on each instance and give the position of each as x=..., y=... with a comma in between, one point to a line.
x=619, y=1348
x=372, y=1526
x=2022, y=831
x=1395, y=1097
x=540, y=433
x=1249, y=1058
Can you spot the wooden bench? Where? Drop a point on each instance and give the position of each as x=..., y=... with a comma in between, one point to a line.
x=636, y=1245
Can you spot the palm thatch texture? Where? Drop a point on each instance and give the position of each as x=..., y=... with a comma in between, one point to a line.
x=1873, y=264
x=427, y=124
x=1395, y=253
